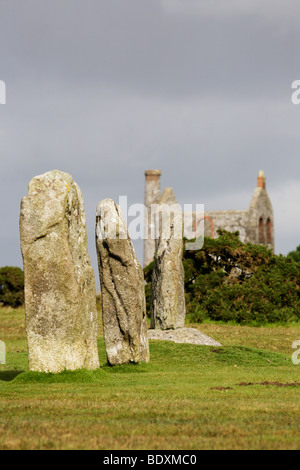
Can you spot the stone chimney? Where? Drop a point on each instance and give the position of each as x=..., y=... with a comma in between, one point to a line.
x=261, y=180
x=152, y=196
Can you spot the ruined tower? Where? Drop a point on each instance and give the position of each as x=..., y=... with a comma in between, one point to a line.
x=255, y=224
x=260, y=215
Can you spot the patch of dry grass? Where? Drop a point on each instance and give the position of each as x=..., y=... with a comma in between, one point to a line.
x=271, y=338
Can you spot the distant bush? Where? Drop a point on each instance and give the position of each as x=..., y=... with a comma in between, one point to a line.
x=228, y=280
x=148, y=275
x=295, y=255
x=246, y=283
x=11, y=286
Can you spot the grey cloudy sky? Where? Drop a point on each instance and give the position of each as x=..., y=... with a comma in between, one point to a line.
x=104, y=89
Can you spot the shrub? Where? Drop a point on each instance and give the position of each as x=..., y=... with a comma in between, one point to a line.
x=245, y=283
x=11, y=286
x=148, y=275
x=228, y=280
x=295, y=255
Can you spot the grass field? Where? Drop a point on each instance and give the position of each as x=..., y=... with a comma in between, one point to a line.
x=170, y=403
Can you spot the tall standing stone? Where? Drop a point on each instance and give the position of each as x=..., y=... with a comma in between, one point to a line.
x=152, y=197
x=167, y=287
x=122, y=288
x=60, y=293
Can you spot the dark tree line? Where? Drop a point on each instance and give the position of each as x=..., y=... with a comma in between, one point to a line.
x=11, y=286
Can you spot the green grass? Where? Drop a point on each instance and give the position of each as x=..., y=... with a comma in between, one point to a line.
x=166, y=404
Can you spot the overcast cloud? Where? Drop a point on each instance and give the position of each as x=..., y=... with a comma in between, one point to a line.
x=104, y=89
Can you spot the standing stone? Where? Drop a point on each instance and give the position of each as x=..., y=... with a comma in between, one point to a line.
x=152, y=197
x=122, y=288
x=60, y=293
x=167, y=287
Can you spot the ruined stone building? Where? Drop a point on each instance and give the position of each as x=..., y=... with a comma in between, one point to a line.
x=255, y=224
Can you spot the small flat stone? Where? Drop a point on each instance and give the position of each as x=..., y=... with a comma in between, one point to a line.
x=183, y=335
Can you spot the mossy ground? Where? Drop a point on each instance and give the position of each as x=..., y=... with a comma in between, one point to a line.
x=166, y=404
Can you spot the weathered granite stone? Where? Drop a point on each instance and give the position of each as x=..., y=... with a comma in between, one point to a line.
x=183, y=335
x=60, y=297
x=167, y=288
x=122, y=288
